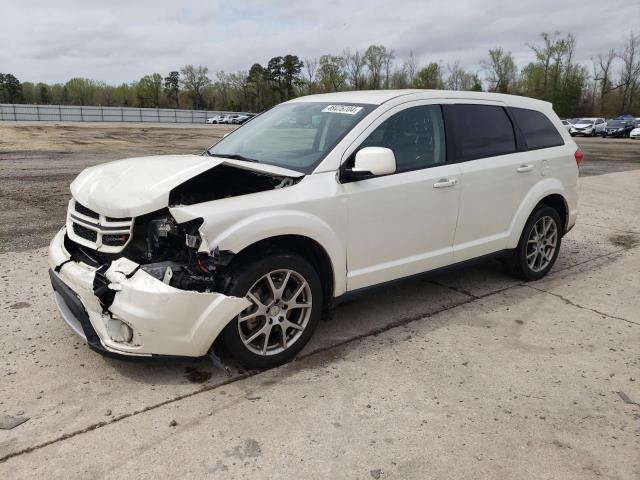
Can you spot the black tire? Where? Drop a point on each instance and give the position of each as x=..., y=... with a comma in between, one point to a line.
x=244, y=275
x=517, y=264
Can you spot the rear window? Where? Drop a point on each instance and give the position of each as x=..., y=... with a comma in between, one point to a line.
x=481, y=131
x=537, y=129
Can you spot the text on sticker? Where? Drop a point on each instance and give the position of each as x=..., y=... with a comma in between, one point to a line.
x=348, y=109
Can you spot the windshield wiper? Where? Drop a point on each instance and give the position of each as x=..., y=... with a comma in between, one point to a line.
x=234, y=156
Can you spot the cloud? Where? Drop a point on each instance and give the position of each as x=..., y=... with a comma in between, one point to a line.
x=120, y=41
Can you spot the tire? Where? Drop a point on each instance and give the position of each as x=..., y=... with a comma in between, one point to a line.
x=242, y=337
x=519, y=264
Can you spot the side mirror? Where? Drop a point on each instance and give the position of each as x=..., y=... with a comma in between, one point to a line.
x=372, y=162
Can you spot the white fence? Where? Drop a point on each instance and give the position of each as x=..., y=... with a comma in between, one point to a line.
x=71, y=113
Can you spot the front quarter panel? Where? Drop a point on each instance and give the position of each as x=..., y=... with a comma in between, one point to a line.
x=312, y=208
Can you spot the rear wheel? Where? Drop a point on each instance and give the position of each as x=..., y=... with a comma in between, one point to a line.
x=286, y=303
x=539, y=245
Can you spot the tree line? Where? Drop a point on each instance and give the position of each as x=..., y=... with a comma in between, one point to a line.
x=610, y=87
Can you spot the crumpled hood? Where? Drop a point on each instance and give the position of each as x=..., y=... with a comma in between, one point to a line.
x=136, y=186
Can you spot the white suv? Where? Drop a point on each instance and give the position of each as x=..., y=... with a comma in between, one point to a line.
x=310, y=202
x=588, y=127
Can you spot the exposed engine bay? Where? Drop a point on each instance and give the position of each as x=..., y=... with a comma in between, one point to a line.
x=169, y=251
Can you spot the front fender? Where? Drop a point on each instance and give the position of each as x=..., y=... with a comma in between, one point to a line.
x=268, y=224
x=540, y=190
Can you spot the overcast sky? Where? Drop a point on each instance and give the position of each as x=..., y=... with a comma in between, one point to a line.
x=119, y=41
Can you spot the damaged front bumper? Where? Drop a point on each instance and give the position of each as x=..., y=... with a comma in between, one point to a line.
x=146, y=317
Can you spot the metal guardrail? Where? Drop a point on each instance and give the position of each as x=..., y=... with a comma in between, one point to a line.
x=72, y=113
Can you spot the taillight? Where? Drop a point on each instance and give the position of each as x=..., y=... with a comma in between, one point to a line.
x=579, y=156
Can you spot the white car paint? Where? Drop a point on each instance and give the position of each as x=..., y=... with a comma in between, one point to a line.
x=135, y=186
x=372, y=231
x=635, y=133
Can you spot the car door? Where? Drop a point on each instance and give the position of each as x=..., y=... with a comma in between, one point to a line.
x=495, y=175
x=402, y=224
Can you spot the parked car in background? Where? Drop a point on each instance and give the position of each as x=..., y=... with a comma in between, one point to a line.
x=567, y=125
x=588, y=127
x=635, y=133
x=619, y=127
x=241, y=118
x=249, y=242
x=216, y=119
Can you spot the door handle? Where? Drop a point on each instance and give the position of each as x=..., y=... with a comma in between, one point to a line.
x=524, y=168
x=445, y=182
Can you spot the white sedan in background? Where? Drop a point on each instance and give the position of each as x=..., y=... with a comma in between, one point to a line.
x=215, y=120
x=635, y=133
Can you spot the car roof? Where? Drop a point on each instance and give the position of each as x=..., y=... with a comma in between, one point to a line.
x=378, y=97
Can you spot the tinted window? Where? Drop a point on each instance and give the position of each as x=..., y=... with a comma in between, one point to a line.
x=481, y=131
x=416, y=136
x=537, y=129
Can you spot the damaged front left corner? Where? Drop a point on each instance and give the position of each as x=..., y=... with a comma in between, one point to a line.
x=139, y=306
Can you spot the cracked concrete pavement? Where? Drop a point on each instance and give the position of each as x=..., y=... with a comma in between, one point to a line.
x=471, y=374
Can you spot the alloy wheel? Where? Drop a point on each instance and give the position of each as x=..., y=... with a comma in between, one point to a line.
x=542, y=244
x=280, y=311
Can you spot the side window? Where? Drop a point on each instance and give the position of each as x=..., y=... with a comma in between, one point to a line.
x=481, y=131
x=537, y=129
x=416, y=136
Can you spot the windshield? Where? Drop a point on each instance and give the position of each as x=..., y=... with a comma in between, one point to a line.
x=292, y=135
x=616, y=123
x=585, y=120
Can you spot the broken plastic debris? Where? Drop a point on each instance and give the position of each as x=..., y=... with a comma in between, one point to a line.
x=7, y=422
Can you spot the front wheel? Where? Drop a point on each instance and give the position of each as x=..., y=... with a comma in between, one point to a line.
x=539, y=245
x=286, y=304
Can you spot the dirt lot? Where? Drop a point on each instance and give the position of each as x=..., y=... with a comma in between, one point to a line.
x=471, y=374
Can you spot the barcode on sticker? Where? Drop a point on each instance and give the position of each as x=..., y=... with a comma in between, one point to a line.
x=348, y=109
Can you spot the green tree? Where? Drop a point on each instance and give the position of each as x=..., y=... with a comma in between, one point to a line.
x=194, y=80
x=258, y=88
x=10, y=89
x=501, y=69
x=331, y=72
x=44, y=94
x=429, y=77
x=291, y=69
x=375, y=57
x=148, y=90
x=172, y=87
x=81, y=91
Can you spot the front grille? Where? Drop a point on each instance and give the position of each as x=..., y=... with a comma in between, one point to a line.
x=96, y=231
x=86, y=211
x=84, y=232
x=113, y=219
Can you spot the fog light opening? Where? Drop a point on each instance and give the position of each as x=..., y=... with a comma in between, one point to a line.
x=119, y=331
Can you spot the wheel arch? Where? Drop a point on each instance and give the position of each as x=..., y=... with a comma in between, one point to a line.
x=307, y=248
x=549, y=192
x=300, y=232
x=559, y=204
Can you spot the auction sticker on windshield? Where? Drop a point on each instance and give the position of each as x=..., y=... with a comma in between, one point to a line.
x=348, y=109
